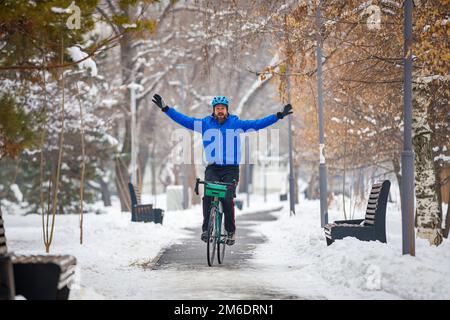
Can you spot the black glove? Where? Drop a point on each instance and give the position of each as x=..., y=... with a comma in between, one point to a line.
x=287, y=110
x=158, y=100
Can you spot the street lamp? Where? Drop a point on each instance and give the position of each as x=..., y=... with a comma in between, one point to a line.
x=134, y=147
x=291, y=161
x=407, y=187
x=322, y=164
x=292, y=190
x=133, y=176
x=184, y=167
x=133, y=86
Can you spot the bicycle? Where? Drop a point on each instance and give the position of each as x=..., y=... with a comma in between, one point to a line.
x=216, y=238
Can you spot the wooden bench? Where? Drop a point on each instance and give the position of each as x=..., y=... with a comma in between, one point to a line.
x=372, y=227
x=143, y=212
x=35, y=277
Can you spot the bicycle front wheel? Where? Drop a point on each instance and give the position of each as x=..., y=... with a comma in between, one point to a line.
x=222, y=236
x=211, y=244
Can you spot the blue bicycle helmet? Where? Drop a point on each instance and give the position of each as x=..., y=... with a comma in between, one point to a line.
x=220, y=100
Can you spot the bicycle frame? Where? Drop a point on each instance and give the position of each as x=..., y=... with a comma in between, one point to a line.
x=216, y=190
x=218, y=220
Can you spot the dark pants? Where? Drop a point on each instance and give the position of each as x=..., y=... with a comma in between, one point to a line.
x=221, y=174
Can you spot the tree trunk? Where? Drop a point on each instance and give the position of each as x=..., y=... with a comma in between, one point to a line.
x=398, y=174
x=191, y=181
x=121, y=169
x=311, y=192
x=153, y=168
x=296, y=187
x=357, y=185
x=143, y=158
x=438, y=186
x=428, y=221
x=106, y=194
x=447, y=220
x=330, y=188
x=146, y=119
x=121, y=166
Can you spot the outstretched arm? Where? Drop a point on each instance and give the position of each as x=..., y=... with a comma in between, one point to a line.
x=176, y=116
x=257, y=124
x=181, y=119
x=264, y=122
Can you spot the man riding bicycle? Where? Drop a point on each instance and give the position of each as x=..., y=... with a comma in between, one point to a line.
x=222, y=166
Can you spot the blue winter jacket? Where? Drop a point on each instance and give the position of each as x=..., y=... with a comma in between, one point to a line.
x=221, y=142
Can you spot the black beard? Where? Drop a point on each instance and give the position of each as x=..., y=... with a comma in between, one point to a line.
x=220, y=120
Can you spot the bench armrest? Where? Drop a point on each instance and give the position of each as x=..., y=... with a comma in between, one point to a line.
x=143, y=209
x=356, y=221
x=146, y=206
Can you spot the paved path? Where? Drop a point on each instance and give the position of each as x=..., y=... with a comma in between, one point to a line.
x=184, y=267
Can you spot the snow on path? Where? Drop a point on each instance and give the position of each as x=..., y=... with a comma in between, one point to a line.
x=182, y=271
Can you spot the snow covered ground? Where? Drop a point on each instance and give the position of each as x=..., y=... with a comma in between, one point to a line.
x=297, y=257
x=114, y=248
x=294, y=257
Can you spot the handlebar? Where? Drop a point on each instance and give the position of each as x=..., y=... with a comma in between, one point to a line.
x=198, y=181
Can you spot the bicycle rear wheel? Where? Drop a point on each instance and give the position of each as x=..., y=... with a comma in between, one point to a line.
x=221, y=242
x=211, y=244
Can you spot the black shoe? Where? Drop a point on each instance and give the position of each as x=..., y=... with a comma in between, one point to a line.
x=204, y=236
x=230, y=238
